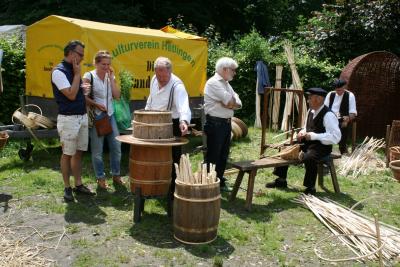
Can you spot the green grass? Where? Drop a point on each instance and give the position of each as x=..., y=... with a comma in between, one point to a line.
x=277, y=232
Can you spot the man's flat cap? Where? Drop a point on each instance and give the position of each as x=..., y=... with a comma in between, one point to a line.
x=337, y=83
x=316, y=91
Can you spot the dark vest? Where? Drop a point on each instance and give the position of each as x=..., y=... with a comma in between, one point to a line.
x=316, y=125
x=66, y=106
x=344, y=106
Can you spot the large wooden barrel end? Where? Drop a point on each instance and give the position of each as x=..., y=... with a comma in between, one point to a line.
x=150, y=169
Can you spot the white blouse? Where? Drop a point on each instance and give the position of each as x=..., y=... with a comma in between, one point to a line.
x=100, y=93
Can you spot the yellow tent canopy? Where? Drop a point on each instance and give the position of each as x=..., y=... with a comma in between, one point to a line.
x=133, y=49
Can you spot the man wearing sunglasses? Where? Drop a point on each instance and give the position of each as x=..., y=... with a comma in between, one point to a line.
x=72, y=120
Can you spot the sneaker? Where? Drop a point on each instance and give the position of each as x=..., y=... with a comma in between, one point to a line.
x=68, y=197
x=117, y=180
x=278, y=183
x=225, y=188
x=81, y=189
x=310, y=191
x=102, y=184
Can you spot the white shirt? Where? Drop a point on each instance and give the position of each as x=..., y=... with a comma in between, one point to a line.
x=60, y=80
x=159, y=98
x=338, y=100
x=332, y=133
x=218, y=90
x=100, y=92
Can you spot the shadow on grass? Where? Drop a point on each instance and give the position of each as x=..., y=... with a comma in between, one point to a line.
x=84, y=209
x=156, y=230
x=40, y=158
x=276, y=201
x=5, y=198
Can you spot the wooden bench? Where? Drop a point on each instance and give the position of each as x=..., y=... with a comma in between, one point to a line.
x=251, y=168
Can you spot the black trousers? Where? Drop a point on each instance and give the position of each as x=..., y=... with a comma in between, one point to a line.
x=218, y=131
x=176, y=152
x=311, y=158
x=343, y=140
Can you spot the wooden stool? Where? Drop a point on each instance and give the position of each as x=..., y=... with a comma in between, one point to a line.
x=328, y=161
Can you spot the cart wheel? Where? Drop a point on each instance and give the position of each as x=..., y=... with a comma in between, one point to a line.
x=24, y=155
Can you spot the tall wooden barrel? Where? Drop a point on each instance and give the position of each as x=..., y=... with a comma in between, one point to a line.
x=152, y=125
x=196, y=212
x=150, y=169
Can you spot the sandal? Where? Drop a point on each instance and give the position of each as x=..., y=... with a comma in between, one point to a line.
x=102, y=184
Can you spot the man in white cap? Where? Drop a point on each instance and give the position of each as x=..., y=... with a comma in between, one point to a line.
x=320, y=132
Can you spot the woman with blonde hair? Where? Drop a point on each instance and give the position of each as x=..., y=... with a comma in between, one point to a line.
x=104, y=90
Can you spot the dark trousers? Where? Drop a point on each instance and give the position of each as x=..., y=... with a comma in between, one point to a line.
x=176, y=152
x=311, y=158
x=218, y=131
x=343, y=140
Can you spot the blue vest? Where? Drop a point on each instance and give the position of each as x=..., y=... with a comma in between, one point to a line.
x=66, y=106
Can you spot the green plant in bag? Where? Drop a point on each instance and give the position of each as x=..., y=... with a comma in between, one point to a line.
x=121, y=107
x=126, y=79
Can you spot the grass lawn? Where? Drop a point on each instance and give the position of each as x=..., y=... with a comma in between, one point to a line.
x=100, y=229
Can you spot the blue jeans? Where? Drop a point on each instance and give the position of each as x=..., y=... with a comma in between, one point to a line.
x=96, y=145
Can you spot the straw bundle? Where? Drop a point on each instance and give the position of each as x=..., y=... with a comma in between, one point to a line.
x=14, y=251
x=3, y=139
x=27, y=122
x=359, y=161
x=360, y=234
x=289, y=152
x=41, y=120
x=185, y=175
x=277, y=97
x=295, y=77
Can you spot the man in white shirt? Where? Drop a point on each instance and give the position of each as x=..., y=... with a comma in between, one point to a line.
x=220, y=101
x=343, y=103
x=167, y=92
x=320, y=132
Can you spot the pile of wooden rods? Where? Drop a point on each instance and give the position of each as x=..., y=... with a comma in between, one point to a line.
x=185, y=175
x=366, y=237
x=359, y=161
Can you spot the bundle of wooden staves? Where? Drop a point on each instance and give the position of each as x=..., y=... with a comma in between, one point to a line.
x=201, y=176
x=368, y=238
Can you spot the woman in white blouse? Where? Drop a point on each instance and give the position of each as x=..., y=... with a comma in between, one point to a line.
x=104, y=90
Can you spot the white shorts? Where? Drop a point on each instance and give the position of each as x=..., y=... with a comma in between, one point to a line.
x=73, y=132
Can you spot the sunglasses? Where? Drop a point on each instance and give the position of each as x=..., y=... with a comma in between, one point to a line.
x=80, y=54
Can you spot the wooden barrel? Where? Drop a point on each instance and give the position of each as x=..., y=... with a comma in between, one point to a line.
x=152, y=125
x=150, y=169
x=394, y=153
x=196, y=212
x=242, y=126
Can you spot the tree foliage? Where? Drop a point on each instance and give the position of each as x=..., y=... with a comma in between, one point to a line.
x=13, y=73
x=352, y=28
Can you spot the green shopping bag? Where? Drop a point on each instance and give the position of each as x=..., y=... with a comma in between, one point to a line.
x=122, y=114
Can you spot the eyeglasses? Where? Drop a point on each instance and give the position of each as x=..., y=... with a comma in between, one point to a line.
x=79, y=53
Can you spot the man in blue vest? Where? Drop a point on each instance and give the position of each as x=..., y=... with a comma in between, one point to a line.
x=72, y=120
x=343, y=103
x=320, y=132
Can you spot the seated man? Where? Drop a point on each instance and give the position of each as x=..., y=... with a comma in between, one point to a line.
x=343, y=103
x=320, y=132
